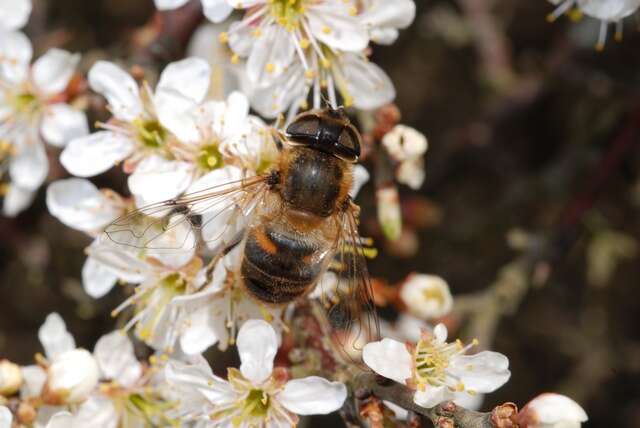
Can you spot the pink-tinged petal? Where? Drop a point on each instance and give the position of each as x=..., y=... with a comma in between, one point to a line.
x=169, y=4
x=216, y=10
x=432, y=396
x=257, y=345
x=95, y=153
x=189, y=77
x=116, y=359
x=16, y=50
x=119, y=88
x=14, y=14
x=62, y=123
x=52, y=72
x=79, y=204
x=312, y=396
x=333, y=25
x=388, y=358
x=97, y=279
x=54, y=337
x=30, y=167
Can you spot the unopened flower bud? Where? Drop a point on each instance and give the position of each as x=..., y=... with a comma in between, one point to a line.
x=72, y=376
x=426, y=296
x=405, y=143
x=10, y=378
x=552, y=411
x=389, y=213
x=26, y=414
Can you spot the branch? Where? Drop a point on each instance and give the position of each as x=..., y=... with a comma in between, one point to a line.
x=445, y=415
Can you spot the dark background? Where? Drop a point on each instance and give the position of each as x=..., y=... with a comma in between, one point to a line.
x=530, y=129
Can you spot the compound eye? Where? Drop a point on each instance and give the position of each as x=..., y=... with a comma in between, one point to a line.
x=349, y=142
x=304, y=127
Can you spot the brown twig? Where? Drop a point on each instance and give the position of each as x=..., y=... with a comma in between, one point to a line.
x=445, y=415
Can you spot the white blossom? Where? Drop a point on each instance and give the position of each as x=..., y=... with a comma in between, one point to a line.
x=293, y=48
x=14, y=14
x=33, y=108
x=6, y=418
x=407, y=147
x=10, y=378
x=256, y=395
x=72, y=373
x=438, y=371
x=214, y=10
x=551, y=410
x=606, y=11
x=426, y=296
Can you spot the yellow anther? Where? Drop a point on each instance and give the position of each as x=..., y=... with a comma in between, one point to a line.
x=270, y=67
x=235, y=59
x=223, y=37
x=257, y=32
x=309, y=74
x=325, y=63
x=326, y=29
x=353, y=11
x=304, y=43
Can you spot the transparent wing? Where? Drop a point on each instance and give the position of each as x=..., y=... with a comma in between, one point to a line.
x=208, y=216
x=349, y=302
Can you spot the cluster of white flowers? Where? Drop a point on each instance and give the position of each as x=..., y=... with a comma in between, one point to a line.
x=179, y=139
x=606, y=11
x=292, y=48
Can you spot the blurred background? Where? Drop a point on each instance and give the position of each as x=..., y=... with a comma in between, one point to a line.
x=533, y=167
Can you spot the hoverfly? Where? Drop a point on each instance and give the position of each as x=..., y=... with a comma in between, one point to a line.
x=299, y=222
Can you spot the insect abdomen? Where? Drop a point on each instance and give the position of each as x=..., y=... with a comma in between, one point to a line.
x=278, y=268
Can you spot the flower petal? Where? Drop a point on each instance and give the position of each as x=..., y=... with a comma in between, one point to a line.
x=203, y=330
x=388, y=358
x=6, y=417
x=367, y=85
x=118, y=87
x=116, y=359
x=312, y=396
x=383, y=13
x=331, y=23
x=54, y=337
x=235, y=114
x=97, y=279
x=432, y=396
x=30, y=167
x=555, y=410
x=178, y=114
x=216, y=10
x=14, y=14
x=272, y=100
x=79, y=204
x=189, y=77
x=199, y=378
x=96, y=412
x=360, y=178
x=16, y=50
x=62, y=419
x=257, y=346
x=169, y=4
x=17, y=200
x=95, y=153
x=34, y=378
x=482, y=372
x=270, y=55
x=62, y=123
x=52, y=72
x=157, y=179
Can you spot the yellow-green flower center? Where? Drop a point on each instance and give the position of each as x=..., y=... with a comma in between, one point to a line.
x=210, y=158
x=287, y=12
x=150, y=133
x=26, y=103
x=256, y=404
